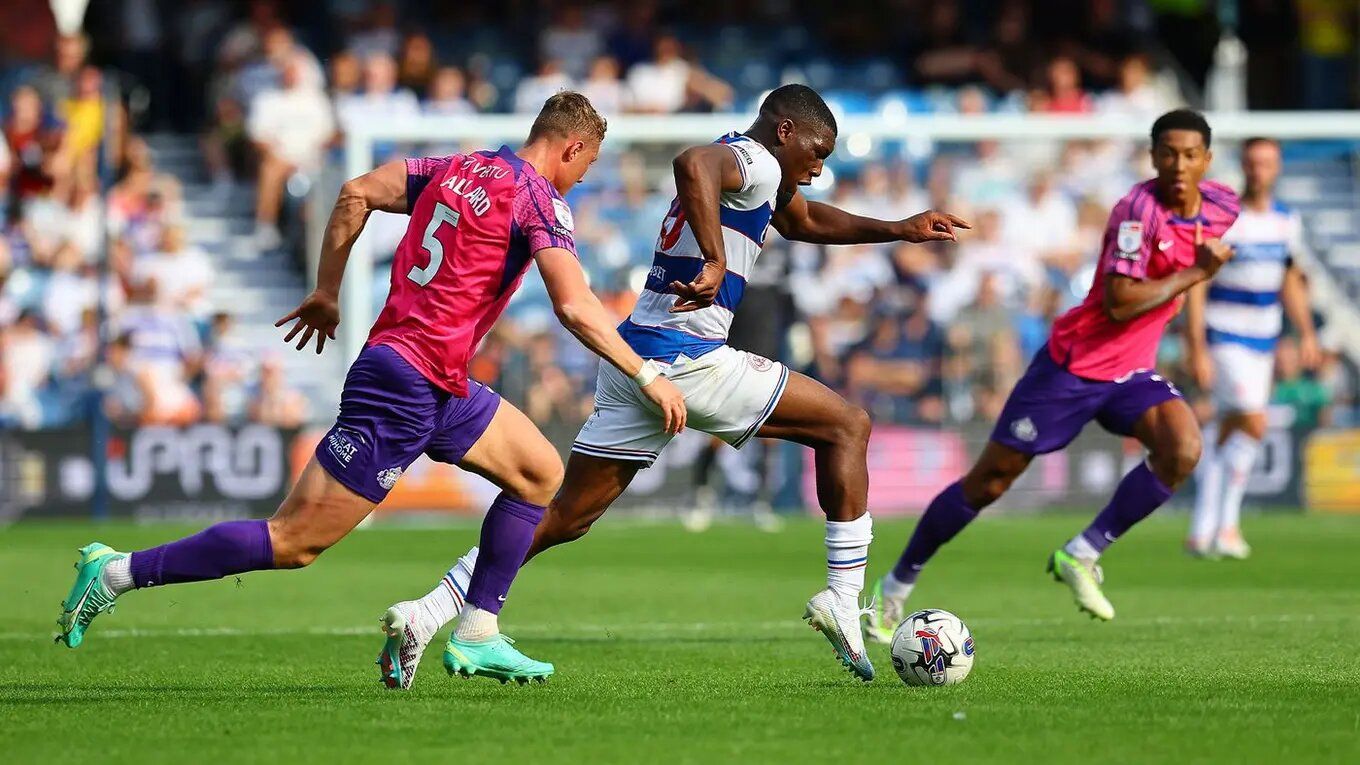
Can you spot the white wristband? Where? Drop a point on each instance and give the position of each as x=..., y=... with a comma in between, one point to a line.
x=650, y=369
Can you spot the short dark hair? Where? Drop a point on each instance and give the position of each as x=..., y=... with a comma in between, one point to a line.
x=1182, y=119
x=800, y=104
x=568, y=113
x=1259, y=139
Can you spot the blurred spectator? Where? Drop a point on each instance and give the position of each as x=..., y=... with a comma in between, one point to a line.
x=604, y=88
x=381, y=99
x=346, y=75
x=571, y=41
x=418, y=65
x=128, y=391
x=290, y=127
x=448, y=93
x=227, y=367
x=177, y=276
x=226, y=146
x=83, y=115
x=1040, y=224
x=278, y=52
x=943, y=53
x=532, y=91
x=1062, y=92
x=895, y=372
x=57, y=83
x=1327, y=30
x=984, y=350
x=1010, y=62
x=378, y=34
x=275, y=403
x=1310, y=399
x=165, y=355
x=669, y=83
x=1136, y=95
x=33, y=137
x=26, y=355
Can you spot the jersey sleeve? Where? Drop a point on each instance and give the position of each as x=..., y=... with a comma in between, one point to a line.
x=760, y=175
x=419, y=172
x=1221, y=207
x=544, y=218
x=1127, y=247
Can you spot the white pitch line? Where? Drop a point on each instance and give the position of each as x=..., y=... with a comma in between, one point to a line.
x=624, y=629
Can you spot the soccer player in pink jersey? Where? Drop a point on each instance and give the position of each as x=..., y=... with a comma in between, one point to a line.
x=1161, y=240
x=477, y=220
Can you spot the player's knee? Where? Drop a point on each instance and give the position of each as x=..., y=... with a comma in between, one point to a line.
x=1176, y=461
x=539, y=480
x=856, y=425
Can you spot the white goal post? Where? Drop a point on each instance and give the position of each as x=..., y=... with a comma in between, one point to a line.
x=919, y=130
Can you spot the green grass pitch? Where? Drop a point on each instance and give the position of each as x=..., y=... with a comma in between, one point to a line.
x=672, y=647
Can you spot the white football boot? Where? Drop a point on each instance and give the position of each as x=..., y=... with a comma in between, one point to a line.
x=839, y=624
x=408, y=631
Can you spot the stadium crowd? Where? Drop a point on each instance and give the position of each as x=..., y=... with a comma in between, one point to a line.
x=922, y=335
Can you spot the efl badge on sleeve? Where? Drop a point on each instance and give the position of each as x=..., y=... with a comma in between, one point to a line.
x=563, y=214
x=1130, y=239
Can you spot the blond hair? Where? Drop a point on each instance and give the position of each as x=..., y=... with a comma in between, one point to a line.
x=568, y=113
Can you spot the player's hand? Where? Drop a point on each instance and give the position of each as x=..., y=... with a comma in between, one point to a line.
x=1202, y=369
x=669, y=400
x=1211, y=253
x=701, y=292
x=1310, y=354
x=932, y=226
x=319, y=314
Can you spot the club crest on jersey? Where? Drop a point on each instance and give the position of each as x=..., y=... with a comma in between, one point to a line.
x=1024, y=429
x=388, y=478
x=563, y=214
x=1130, y=239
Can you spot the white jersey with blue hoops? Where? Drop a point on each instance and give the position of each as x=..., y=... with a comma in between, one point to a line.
x=652, y=330
x=1243, y=306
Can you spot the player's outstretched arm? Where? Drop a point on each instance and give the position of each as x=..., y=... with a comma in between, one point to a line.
x=585, y=317
x=1128, y=298
x=1196, y=338
x=702, y=173
x=804, y=221
x=319, y=313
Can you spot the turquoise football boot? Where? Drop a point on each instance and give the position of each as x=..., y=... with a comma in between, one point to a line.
x=88, y=597
x=496, y=657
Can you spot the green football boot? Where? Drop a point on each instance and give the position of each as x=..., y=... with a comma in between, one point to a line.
x=496, y=657
x=88, y=597
x=1084, y=579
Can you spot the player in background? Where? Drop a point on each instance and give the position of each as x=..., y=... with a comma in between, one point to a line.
x=1231, y=328
x=727, y=194
x=477, y=220
x=1161, y=240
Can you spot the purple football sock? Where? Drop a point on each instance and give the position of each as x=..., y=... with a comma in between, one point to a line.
x=1137, y=496
x=507, y=532
x=947, y=515
x=217, y=551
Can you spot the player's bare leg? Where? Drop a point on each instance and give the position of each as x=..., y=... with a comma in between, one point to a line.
x=958, y=505
x=518, y=459
x=1171, y=435
x=811, y=414
x=317, y=513
x=591, y=485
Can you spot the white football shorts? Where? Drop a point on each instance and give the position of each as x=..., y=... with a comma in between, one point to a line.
x=728, y=394
x=1242, y=378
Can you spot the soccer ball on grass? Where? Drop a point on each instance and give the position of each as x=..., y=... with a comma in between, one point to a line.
x=932, y=647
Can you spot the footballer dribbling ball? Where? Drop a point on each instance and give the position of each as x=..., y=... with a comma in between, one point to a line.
x=932, y=647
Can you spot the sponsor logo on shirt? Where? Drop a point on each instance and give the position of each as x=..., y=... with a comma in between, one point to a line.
x=1130, y=239
x=341, y=447
x=758, y=363
x=388, y=478
x=743, y=152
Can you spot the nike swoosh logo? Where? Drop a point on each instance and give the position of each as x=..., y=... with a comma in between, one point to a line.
x=1164, y=245
x=501, y=598
x=75, y=611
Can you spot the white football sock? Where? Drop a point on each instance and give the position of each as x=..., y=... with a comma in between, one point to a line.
x=1081, y=548
x=847, y=555
x=895, y=589
x=1237, y=455
x=476, y=625
x=117, y=575
x=444, y=602
x=1208, y=499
